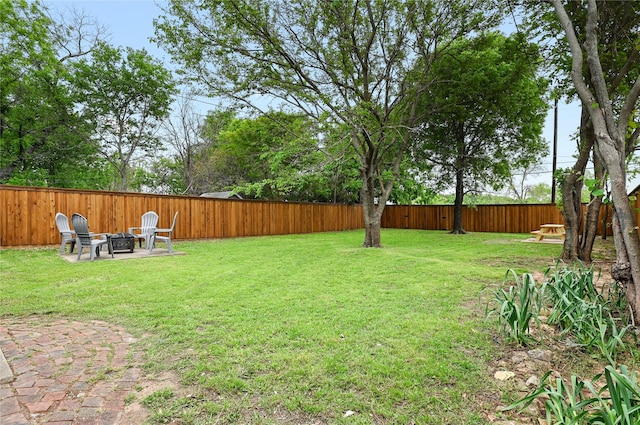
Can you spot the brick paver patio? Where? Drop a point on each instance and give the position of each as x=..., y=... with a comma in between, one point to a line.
x=66, y=372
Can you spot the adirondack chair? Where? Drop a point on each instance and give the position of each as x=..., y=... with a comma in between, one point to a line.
x=85, y=239
x=68, y=235
x=169, y=232
x=147, y=231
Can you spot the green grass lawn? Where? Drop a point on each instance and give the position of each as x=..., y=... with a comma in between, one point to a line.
x=310, y=326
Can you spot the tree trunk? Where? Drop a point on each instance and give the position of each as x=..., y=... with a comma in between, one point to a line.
x=458, y=204
x=590, y=230
x=372, y=211
x=610, y=129
x=592, y=216
x=626, y=238
x=571, y=188
x=621, y=271
x=571, y=214
x=605, y=219
x=372, y=235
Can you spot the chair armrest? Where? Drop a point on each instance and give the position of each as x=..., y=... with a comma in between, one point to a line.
x=163, y=230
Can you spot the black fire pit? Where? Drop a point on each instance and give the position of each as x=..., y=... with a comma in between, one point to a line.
x=122, y=242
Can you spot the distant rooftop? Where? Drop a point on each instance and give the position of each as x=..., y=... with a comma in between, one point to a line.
x=221, y=195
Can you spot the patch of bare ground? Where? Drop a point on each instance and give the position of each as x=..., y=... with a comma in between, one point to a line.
x=519, y=369
x=135, y=413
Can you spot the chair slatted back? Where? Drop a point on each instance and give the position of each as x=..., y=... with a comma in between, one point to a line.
x=62, y=222
x=175, y=218
x=81, y=227
x=149, y=221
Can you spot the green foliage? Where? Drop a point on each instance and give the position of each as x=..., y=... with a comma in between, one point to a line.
x=516, y=306
x=125, y=94
x=162, y=175
x=43, y=141
x=617, y=402
x=583, y=312
x=580, y=309
x=595, y=188
x=276, y=157
x=539, y=193
x=487, y=111
x=412, y=187
x=566, y=287
x=273, y=156
x=619, y=399
x=564, y=403
x=575, y=305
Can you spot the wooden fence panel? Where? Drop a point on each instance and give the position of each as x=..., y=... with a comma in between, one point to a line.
x=27, y=215
x=515, y=218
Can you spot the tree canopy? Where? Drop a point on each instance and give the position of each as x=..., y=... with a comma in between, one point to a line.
x=125, y=94
x=43, y=141
x=340, y=62
x=488, y=108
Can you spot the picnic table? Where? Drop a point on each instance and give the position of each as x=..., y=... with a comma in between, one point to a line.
x=549, y=230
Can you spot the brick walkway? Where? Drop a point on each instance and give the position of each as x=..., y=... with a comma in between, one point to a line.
x=66, y=372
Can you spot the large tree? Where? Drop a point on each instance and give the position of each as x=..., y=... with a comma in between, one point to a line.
x=43, y=140
x=342, y=62
x=126, y=94
x=610, y=124
x=275, y=157
x=488, y=111
x=268, y=157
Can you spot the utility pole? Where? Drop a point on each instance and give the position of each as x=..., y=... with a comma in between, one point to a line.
x=555, y=151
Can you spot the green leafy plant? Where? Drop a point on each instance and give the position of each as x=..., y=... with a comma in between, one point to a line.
x=516, y=306
x=579, y=309
x=565, y=403
x=609, y=337
x=618, y=400
x=564, y=287
x=581, y=402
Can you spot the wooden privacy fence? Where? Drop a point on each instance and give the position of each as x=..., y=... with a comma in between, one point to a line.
x=27, y=215
x=512, y=218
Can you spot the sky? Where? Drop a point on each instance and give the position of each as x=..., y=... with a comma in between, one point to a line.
x=130, y=23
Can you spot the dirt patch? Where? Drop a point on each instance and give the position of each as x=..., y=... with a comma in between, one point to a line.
x=135, y=412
